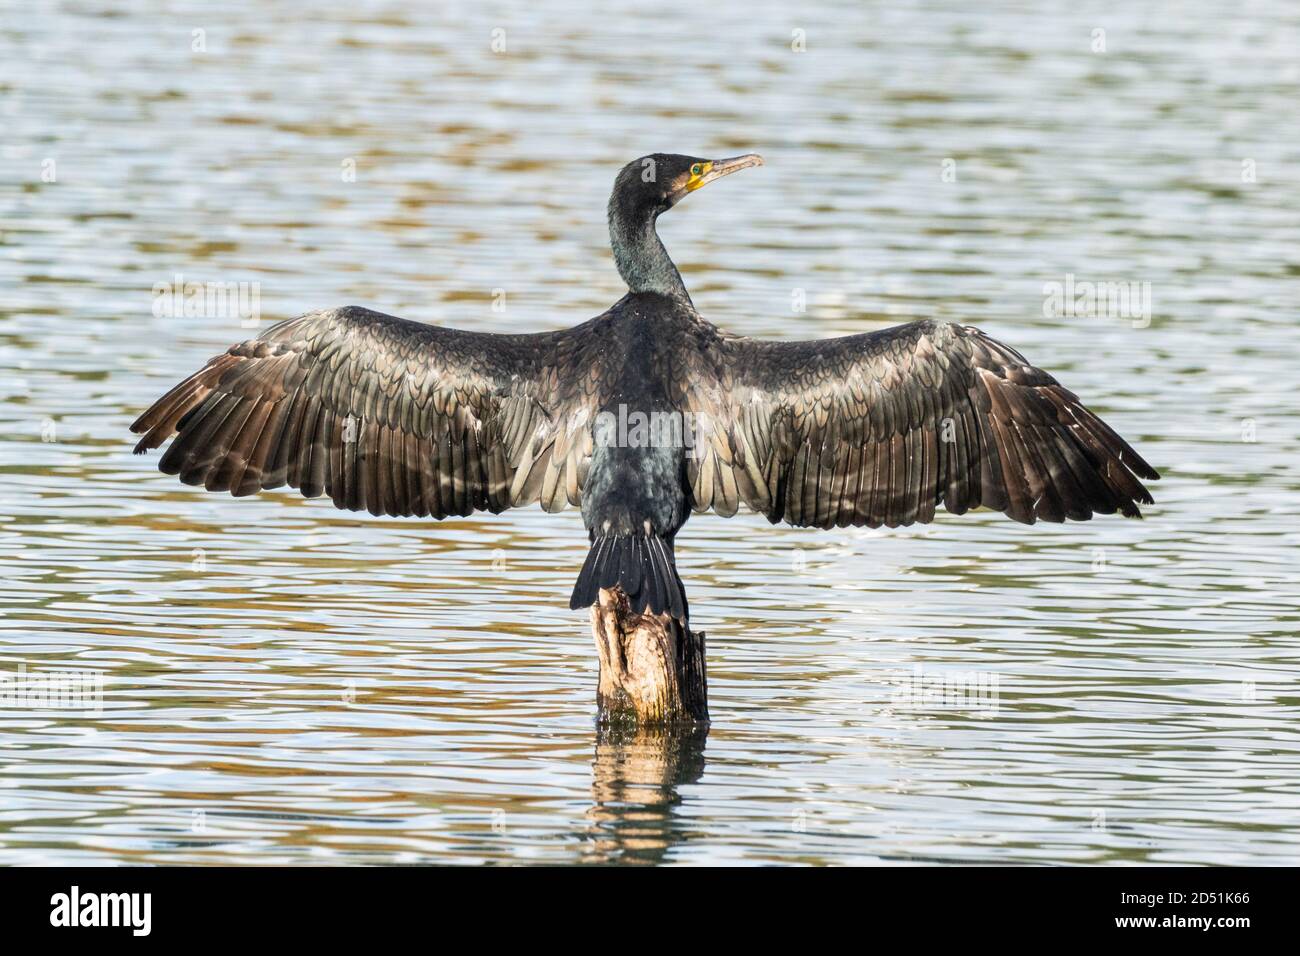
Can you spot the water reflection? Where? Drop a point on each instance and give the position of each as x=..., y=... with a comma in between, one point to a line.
x=636, y=773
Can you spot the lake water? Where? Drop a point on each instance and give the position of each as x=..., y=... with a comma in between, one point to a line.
x=286, y=683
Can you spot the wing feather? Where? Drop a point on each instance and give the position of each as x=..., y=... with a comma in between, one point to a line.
x=383, y=415
x=883, y=428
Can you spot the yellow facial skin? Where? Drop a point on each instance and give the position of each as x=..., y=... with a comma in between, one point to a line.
x=706, y=171
x=697, y=176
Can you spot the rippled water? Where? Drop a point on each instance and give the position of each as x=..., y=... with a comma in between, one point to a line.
x=287, y=683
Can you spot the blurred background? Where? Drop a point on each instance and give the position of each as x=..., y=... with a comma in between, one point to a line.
x=287, y=683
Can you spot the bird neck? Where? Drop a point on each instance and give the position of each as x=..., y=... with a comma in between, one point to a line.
x=642, y=260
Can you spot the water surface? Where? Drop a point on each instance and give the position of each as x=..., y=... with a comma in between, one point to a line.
x=285, y=683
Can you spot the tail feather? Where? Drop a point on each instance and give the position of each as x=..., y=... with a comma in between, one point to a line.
x=642, y=565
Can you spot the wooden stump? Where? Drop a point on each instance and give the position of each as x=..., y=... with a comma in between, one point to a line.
x=651, y=666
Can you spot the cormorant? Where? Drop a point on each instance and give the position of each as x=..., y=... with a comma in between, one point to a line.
x=642, y=415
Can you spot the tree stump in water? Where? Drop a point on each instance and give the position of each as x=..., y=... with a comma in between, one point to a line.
x=651, y=666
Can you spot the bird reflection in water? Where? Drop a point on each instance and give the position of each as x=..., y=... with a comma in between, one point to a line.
x=635, y=776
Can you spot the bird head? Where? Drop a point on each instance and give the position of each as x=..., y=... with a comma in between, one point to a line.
x=653, y=184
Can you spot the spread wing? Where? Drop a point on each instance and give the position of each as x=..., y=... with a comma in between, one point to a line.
x=884, y=427
x=384, y=415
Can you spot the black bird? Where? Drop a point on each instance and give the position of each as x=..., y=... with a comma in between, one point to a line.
x=643, y=415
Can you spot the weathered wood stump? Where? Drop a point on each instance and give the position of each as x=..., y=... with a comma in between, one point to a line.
x=651, y=666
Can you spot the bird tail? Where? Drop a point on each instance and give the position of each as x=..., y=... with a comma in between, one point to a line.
x=642, y=565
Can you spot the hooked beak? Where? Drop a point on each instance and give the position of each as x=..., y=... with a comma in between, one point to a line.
x=725, y=167
x=716, y=170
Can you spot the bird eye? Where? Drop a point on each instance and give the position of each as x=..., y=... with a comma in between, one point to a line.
x=697, y=169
